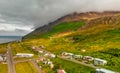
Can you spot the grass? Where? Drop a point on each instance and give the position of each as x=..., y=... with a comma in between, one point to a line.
x=62, y=27
x=3, y=48
x=96, y=41
x=68, y=66
x=20, y=48
x=100, y=41
x=25, y=67
x=3, y=68
x=95, y=44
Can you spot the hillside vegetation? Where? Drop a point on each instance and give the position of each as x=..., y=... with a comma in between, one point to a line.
x=99, y=37
x=62, y=27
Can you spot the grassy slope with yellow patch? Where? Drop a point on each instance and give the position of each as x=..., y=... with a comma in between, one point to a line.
x=100, y=38
x=25, y=67
x=3, y=68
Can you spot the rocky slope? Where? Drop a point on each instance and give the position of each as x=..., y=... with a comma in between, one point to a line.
x=90, y=18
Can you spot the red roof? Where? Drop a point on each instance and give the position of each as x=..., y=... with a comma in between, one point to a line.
x=61, y=71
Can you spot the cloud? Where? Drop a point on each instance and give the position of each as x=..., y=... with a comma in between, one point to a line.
x=13, y=27
x=28, y=14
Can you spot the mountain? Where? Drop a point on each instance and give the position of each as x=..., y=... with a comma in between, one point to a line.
x=95, y=34
x=89, y=18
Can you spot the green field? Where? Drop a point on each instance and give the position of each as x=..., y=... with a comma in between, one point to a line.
x=68, y=66
x=3, y=68
x=20, y=48
x=25, y=67
x=3, y=48
x=99, y=41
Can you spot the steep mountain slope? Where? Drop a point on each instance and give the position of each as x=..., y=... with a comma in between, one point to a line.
x=88, y=18
x=98, y=34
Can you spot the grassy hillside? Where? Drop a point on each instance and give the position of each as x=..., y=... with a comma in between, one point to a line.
x=68, y=67
x=3, y=68
x=100, y=38
x=3, y=48
x=62, y=27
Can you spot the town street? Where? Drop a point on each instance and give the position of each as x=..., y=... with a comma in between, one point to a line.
x=36, y=66
x=11, y=67
x=78, y=62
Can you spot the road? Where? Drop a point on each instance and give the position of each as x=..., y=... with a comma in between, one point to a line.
x=11, y=67
x=36, y=66
x=78, y=62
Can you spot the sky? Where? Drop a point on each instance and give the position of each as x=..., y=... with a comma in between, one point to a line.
x=20, y=17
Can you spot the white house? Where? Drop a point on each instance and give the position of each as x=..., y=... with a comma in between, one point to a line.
x=24, y=55
x=1, y=58
x=70, y=54
x=64, y=54
x=52, y=55
x=46, y=54
x=101, y=70
x=78, y=56
x=51, y=66
x=98, y=61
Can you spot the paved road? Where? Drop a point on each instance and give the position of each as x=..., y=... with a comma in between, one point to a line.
x=27, y=60
x=82, y=63
x=36, y=66
x=21, y=61
x=11, y=67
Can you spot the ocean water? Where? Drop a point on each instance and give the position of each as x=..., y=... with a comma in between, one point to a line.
x=5, y=39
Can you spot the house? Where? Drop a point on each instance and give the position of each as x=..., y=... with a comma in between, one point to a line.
x=1, y=59
x=70, y=54
x=37, y=49
x=64, y=54
x=67, y=55
x=24, y=55
x=51, y=66
x=52, y=55
x=49, y=62
x=78, y=56
x=104, y=71
x=61, y=71
x=46, y=54
x=98, y=61
x=88, y=58
x=4, y=58
x=40, y=51
x=44, y=62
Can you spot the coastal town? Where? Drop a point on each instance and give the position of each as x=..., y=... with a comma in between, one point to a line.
x=44, y=59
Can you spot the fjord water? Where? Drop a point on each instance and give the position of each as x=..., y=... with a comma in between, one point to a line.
x=5, y=39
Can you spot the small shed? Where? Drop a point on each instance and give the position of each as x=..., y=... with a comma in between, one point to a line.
x=98, y=61
x=101, y=70
x=52, y=55
x=24, y=55
x=64, y=54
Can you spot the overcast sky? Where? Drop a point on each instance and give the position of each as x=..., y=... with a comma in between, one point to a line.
x=19, y=17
